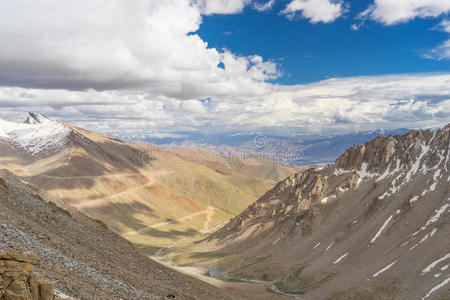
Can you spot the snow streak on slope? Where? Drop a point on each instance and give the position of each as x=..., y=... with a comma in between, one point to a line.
x=40, y=135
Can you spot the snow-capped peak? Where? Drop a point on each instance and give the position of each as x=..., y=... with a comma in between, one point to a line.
x=37, y=135
x=36, y=118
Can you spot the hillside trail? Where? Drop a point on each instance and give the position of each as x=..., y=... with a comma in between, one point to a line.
x=105, y=200
x=150, y=176
x=87, y=176
x=209, y=211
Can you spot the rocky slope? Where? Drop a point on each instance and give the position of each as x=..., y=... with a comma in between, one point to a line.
x=82, y=255
x=152, y=196
x=373, y=225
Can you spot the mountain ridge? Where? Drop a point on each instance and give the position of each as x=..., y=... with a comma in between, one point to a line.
x=352, y=227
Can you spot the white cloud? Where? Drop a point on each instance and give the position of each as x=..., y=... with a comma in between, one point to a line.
x=315, y=11
x=139, y=68
x=263, y=6
x=107, y=45
x=209, y=7
x=440, y=52
x=444, y=26
x=390, y=12
x=334, y=105
x=443, y=50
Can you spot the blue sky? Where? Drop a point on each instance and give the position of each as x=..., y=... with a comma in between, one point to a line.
x=311, y=52
x=145, y=67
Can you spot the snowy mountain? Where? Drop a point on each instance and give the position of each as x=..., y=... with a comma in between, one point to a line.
x=37, y=135
x=35, y=118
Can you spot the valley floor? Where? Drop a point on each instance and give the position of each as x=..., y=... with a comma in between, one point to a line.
x=239, y=290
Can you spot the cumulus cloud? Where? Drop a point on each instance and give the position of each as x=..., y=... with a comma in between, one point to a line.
x=263, y=6
x=390, y=12
x=334, y=105
x=139, y=68
x=315, y=11
x=209, y=7
x=115, y=44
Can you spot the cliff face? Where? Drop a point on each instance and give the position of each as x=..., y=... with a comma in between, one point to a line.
x=387, y=200
x=18, y=281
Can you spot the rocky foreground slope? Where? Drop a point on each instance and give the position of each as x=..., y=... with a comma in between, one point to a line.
x=373, y=225
x=85, y=258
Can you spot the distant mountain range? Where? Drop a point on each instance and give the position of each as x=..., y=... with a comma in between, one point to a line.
x=296, y=150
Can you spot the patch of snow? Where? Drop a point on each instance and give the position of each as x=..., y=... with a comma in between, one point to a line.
x=324, y=200
x=317, y=245
x=330, y=245
x=340, y=258
x=381, y=229
x=363, y=173
x=437, y=287
x=437, y=275
x=444, y=268
x=435, y=263
x=343, y=190
x=447, y=158
x=386, y=173
x=389, y=173
x=276, y=240
x=340, y=172
x=416, y=164
x=434, y=218
x=62, y=295
x=413, y=199
x=435, y=179
x=424, y=239
x=384, y=269
x=386, y=194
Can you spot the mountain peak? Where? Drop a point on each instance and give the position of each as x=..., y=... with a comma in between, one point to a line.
x=37, y=135
x=36, y=118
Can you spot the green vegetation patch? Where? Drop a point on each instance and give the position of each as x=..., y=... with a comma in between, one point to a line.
x=208, y=255
x=298, y=284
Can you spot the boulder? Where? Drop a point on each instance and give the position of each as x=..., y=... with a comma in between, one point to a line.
x=19, y=282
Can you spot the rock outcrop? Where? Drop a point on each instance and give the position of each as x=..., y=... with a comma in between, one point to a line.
x=19, y=282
